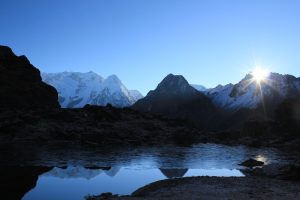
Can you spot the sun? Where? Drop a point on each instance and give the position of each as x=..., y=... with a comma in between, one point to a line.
x=259, y=74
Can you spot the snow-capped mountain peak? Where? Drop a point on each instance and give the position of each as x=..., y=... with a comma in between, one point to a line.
x=249, y=94
x=135, y=94
x=114, y=84
x=77, y=89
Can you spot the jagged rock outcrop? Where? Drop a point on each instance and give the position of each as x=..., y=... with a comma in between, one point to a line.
x=21, y=85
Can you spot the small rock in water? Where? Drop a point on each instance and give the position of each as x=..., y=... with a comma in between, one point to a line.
x=252, y=163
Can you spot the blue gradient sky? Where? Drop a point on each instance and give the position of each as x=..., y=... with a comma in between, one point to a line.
x=141, y=41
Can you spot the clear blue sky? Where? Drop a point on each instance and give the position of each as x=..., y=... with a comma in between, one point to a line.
x=141, y=41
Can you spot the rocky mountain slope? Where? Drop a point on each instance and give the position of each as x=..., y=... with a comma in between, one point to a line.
x=21, y=84
x=27, y=131
x=174, y=97
x=249, y=94
x=223, y=107
x=78, y=89
x=30, y=116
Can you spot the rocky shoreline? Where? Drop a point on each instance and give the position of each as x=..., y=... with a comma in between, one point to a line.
x=212, y=188
x=269, y=182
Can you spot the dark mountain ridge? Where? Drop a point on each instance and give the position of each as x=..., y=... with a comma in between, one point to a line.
x=21, y=85
x=175, y=98
x=249, y=100
x=31, y=119
x=30, y=116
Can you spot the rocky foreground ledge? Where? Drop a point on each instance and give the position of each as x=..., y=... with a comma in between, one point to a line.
x=213, y=188
x=275, y=181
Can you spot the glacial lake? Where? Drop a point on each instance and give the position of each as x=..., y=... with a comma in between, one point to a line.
x=124, y=171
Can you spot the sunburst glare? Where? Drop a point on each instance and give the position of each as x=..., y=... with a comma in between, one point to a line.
x=259, y=74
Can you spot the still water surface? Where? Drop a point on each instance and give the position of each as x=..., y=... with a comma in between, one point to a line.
x=125, y=172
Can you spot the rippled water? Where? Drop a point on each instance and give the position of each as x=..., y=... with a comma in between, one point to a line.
x=125, y=170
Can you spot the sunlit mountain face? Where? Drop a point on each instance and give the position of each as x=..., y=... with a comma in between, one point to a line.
x=256, y=88
x=76, y=89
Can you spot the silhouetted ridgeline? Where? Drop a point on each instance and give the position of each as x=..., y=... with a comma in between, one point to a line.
x=226, y=107
x=30, y=114
x=21, y=85
x=174, y=97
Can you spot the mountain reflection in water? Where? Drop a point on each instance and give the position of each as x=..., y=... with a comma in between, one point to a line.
x=80, y=173
x=77, y=182
x=174, y=173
